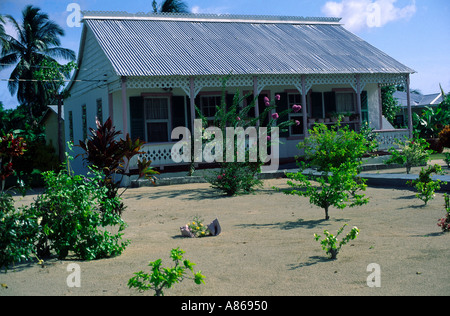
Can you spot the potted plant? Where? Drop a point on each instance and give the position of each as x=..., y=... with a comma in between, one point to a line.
x=334, y=116
x=346, y=117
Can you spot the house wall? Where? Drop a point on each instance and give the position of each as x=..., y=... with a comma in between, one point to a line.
x=51, y=130
x=88, y=87
x=82, y=96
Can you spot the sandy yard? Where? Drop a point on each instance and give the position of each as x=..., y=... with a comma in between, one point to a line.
x=266, y=246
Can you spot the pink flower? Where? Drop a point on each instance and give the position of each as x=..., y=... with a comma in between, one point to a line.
x=277, y=97
x=268, y=138
x=266, y=99
x=238, y=118
x=296, y=108
x=275, y=116
x=297, y=122
x=219, y=177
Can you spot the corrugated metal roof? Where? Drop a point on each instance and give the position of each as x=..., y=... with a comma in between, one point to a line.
x=418, y=100
x=213, y=45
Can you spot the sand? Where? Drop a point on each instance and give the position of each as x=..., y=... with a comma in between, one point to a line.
x=266, y=246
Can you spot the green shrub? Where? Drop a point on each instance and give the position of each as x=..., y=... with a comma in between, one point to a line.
x=425, y=185
x=18, y=233
x=236, y=178
x=330, y=147
x=411, y=153
x=76, y=216
x=447, y=159
x=332, y=245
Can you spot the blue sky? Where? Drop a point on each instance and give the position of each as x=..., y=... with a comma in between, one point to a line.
x=415, y=32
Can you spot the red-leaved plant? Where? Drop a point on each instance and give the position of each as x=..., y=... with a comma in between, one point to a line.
x=444, y=223
x=10, y=147
x=105, y=153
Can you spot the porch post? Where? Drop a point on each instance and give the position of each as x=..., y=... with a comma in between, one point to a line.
x=111, y=106
x=192, y=100
x=380, y=104
x=124, y=106
x=305, y=115
x=408, y=102
x=358, y=99
x=255, y=96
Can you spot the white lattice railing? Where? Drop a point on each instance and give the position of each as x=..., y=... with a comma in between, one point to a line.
x=387, y=138
x=159, y=154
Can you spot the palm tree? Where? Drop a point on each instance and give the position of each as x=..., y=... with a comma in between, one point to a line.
x=174, y=6
x=37, y=40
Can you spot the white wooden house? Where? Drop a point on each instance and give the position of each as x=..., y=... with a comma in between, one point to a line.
x=147, y=71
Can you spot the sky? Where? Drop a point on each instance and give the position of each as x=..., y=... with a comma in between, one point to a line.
x=415, y=32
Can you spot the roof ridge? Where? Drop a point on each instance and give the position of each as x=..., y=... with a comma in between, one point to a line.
x=207, y=17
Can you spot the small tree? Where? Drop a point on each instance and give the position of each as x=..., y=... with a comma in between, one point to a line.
x=337, y=154
x=338, y=188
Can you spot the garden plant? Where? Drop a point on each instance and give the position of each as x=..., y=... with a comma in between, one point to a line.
x=336, y=153
x=332, y=245
x=111, y=156
x=241, y=177
x=76, y=215
x=410, y=153
x=444, y=223
x=161, y=279
x=425, y=185
x=18, y=230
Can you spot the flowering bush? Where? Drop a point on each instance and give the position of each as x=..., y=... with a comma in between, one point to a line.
x=444, y=223
x=236, y=178
x=241, y=177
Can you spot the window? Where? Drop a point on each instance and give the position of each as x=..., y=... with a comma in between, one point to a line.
x=71, y=126
x=208, y=105
x=345, y=102
x=84, y=120
x=99, y=111
x=295, y=99
x=156, y=111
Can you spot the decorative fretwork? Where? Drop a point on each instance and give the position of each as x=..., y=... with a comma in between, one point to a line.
x=159, y=154
x=295, y=80
x=386, y=138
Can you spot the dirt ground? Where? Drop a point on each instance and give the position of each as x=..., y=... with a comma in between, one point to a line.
x=266, y=246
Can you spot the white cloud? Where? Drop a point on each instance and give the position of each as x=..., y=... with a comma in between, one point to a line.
x=360, y=14
x=213, y=10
